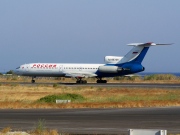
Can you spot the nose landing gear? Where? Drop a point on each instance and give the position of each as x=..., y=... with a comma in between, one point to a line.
x=33, y=79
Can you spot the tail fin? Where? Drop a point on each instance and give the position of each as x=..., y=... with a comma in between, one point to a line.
x=138, y=52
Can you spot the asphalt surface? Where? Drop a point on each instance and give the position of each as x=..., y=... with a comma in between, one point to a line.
x=134, y=85
x=94, y=121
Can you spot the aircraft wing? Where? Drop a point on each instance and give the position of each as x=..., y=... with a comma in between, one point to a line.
x=83, y=75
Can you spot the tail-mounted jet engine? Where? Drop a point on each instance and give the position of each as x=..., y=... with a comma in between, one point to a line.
x=131, y=68
x=110, y=69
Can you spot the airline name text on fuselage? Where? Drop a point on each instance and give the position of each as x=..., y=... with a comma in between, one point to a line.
x=44, y=66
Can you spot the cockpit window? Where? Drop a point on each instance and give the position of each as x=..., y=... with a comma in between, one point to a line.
x=18, y=68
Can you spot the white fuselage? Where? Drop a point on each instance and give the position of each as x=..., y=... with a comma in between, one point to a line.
x=57, y=69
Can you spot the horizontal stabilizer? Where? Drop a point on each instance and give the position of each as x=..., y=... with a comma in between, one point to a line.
x=147, y=44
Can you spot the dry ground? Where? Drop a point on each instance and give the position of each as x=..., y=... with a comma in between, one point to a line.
x=157, y=78
x=17, y=96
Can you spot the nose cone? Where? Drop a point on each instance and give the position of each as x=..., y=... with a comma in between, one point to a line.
x=17, y=71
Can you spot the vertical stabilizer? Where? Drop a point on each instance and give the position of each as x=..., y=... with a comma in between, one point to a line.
x=132, y=54
x=138, y=52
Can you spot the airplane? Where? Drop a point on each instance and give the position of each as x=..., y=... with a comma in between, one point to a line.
x=114, y=66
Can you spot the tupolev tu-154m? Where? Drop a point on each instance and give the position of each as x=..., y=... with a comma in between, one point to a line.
x=114, y=66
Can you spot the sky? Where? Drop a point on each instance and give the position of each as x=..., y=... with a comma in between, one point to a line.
x=84, y=31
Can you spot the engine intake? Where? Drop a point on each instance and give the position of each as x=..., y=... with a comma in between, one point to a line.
x=112, y=59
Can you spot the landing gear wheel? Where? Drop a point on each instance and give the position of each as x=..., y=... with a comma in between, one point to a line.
x=84, y=81
x=104, y=81
x=101, y=81
x=81, y=81
x=98, y=81
x=78, y=81
x=33, y=81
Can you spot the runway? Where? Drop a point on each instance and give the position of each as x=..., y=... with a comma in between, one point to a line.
x=94, y=121
x=134, y=85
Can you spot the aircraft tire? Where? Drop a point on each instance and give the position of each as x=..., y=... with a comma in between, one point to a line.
x=84, y=81
x=77, y=82
x=101, y=81
x=81, y=82
x=33, y=81
x=104, y=81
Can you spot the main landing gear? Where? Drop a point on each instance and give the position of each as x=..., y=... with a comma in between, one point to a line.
x=80, y=81
x=33, y=79
x=101, y=81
